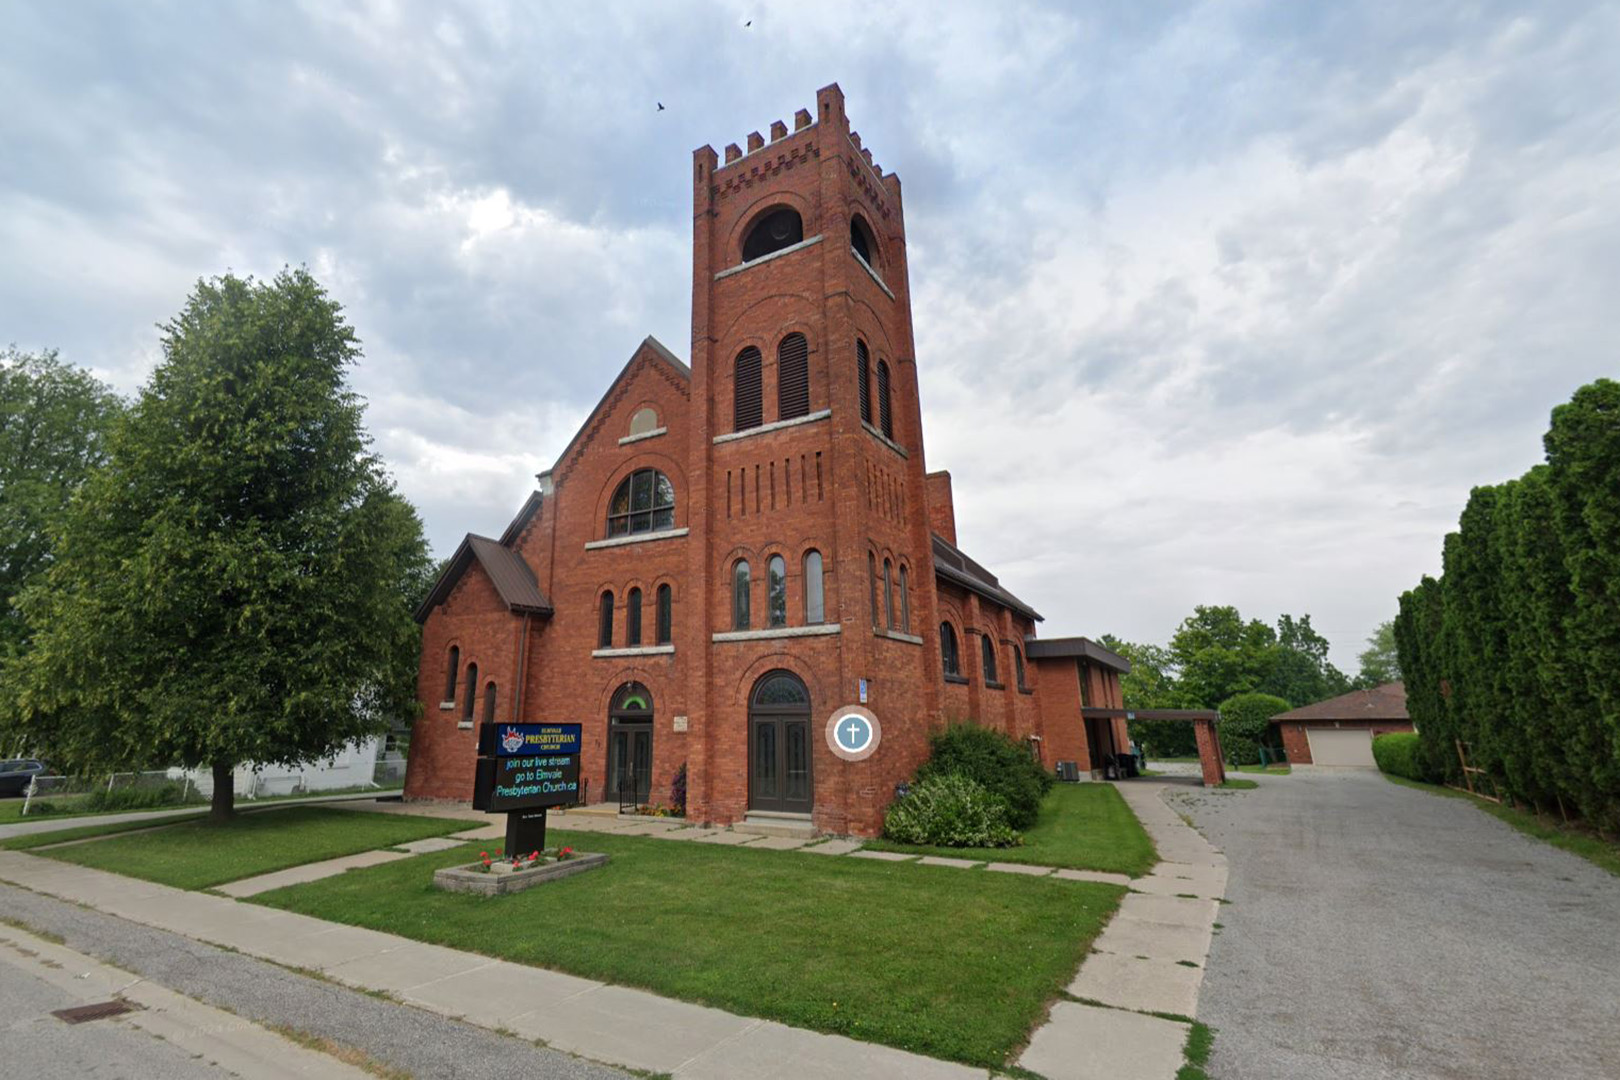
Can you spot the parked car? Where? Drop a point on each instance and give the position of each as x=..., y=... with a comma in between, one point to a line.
x=18, y=773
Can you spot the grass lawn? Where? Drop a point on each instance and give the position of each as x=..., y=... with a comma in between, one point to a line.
x=1573, y=839
x=196, y=855
x=1082, y=826
x=957, y=964
x=1269, y=770
x=69, y=806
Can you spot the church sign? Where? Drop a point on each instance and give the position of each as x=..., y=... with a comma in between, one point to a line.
x=526, y=767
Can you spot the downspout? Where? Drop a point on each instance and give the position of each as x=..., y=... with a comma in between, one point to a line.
x=522, y=672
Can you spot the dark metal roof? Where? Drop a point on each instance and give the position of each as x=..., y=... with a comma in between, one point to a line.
x=511, y=576
x=1080, y=648
x=1387, y=702
x=957, y=568
x=1149, y=714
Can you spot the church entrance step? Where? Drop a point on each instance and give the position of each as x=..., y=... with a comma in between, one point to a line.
x=766, y=823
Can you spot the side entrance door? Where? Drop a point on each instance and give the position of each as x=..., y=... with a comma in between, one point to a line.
x=779, y=778
x=630, y=728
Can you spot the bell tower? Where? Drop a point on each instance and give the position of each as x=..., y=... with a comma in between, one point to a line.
x=806, y=438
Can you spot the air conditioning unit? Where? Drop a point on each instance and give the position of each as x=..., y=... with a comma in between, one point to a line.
x=1069, y=771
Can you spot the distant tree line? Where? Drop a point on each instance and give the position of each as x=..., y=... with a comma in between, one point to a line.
x=1217, y=658
x=1515, y=650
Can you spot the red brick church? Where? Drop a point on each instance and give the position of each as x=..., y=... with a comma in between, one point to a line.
x=730, y=556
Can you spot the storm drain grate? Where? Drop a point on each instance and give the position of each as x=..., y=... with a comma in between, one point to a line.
x=101, y=1010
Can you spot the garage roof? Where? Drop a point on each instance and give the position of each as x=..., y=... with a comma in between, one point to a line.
x=1387, y=702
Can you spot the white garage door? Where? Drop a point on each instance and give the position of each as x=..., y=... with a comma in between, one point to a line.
x=1341, y=746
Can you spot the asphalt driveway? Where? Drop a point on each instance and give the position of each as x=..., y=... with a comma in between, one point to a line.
x=1377, y=931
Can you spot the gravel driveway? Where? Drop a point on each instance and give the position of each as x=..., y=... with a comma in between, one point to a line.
x=1378, y=931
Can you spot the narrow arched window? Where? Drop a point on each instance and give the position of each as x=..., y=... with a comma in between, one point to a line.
x=776, y=591
x=740, y=614
x=861, y=240
x=987, y=648
x=472, y=692
x=888, y=594
x=885, y=413
x=451, y=671
x=1018, y=666
x=871, y=576
x=863, y=372
x=489, y=704
x=776, y=229
x=643, y=421
x=815, y=611
x=643, y=502
x=747, y=391
x=792, y=377
x=665, y=620
x=948, y=652
x=604, y=629
x=905, y=600
x=632, y=618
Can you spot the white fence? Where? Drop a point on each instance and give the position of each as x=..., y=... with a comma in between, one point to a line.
x=180, y=787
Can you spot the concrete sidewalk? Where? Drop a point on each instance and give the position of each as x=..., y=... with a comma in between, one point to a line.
x=605, y=1023
x=1148, y=959
x=57, y=823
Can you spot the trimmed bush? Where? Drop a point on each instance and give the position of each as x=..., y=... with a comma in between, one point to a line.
x=949, y=810
x=998, y=762
x=1246, y=723
x=1400, y=753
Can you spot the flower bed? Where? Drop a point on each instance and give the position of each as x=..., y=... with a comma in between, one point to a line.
x=500, y=875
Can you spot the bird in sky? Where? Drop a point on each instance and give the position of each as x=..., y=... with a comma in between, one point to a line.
x=660, y=106
x=748, y=24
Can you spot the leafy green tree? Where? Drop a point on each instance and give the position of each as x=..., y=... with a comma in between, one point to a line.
x=1245, y=725
x=233, y=584
x=54, y=421
x=1297, y=668
x=1380, y=660
x=1217, y=655
x=1151, y=684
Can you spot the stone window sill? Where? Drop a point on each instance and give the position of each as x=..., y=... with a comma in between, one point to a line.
x=446, y=706
x=464, y=724
x=634, y=650
x=884, y=439
x=1025, y=690
x=868, y=268
x=638, y=538
x=898, y=635
x=775, y=425
x=955, y=680
x=763, y=259
x=653, y=434
x=779, y=632
x=991, y=685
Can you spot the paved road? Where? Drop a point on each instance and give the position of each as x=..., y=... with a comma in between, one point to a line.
x=412, y=1041
x=1376, y=932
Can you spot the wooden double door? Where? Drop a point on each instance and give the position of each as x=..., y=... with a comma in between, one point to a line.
x=779, y=772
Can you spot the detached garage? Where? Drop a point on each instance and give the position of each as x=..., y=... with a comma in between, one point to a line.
x=1339, y=732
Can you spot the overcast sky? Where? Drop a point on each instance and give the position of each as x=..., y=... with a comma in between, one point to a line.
x=1215, y=303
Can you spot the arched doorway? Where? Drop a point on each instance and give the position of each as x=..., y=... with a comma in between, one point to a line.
x=630, y=728
x=779, y=745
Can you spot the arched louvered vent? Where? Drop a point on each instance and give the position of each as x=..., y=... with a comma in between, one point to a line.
x=885, y=413
x=863, y=363
x=793, y=377
x=748, y=403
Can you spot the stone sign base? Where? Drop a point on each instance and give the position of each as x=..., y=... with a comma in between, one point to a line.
x=473, y=878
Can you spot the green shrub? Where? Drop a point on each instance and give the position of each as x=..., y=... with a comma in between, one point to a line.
x=1400, y=753
x=949, y=810
x=1000, y=763
x=1246, y=723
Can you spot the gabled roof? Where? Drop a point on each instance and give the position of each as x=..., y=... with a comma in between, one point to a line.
x=1387, y=702
x=1081, y=648
x=521, y=522
x=511, y=576
x=653, y=346
x=957, y=568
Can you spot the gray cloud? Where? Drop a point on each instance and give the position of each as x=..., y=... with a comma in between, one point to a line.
x=1225, y=303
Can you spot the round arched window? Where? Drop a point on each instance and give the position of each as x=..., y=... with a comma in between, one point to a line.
x=645, y=502
x=776, y=229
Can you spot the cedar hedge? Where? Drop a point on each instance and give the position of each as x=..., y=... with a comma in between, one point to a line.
x=1515, y=649
x=1398, y=753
